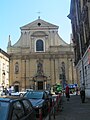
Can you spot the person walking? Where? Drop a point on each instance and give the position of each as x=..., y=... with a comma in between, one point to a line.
x=76, y=90
x=10, y=90
x=67, y=92
x=6, y=91
x=82, y=92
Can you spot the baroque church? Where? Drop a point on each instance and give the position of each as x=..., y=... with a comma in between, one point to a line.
x=40, y=58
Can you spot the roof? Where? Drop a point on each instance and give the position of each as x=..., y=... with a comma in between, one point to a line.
x=9, y=98
x=39, y=23
x=4, y=53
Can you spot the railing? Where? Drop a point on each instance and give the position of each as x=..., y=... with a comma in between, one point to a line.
x=52, y=109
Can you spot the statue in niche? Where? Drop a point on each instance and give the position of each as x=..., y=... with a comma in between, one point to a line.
x=39, y=68
x=16, y=68
x=63, y=67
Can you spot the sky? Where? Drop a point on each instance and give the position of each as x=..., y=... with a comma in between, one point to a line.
x=17, y=13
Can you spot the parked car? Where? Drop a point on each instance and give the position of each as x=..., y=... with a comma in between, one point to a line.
x=16, y=108
x=21, y=93
x=39, y=100
x=49, y=97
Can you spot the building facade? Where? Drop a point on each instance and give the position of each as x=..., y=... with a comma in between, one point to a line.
x=40, y=58
x=4, y=69
x=80, y=20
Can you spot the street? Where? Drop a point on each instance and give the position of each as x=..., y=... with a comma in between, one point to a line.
x=74, y=109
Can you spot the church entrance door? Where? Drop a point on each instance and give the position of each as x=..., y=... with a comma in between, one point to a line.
x=40, y=85
x=16, y=88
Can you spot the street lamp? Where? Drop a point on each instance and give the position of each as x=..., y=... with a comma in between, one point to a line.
x=25, y=74
x=63, y=77
x=72, y=71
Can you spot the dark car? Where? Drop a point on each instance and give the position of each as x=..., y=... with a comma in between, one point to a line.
x=39, y=101
x=16, y=108
x=49, y=96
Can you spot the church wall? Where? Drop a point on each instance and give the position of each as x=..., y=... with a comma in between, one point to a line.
x=24, y=52
x=51, y=68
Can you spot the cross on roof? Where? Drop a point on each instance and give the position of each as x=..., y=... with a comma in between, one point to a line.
x=39, y=14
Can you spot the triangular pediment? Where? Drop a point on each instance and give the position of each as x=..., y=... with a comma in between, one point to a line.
x=39, y=23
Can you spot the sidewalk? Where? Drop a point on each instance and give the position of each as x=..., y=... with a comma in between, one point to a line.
x=74, y=109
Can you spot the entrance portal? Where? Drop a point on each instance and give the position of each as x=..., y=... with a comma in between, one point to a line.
x=40, y=85
x=16, y=88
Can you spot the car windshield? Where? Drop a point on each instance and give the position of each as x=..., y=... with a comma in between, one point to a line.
x=4, y=106
x=34, y=95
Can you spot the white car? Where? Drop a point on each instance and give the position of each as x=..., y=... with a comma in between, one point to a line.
x=21, y=93
x=18, y=93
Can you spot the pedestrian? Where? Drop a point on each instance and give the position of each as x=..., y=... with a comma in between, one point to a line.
x=82, y=92
x=10, y=90
x=6, y=91
x=67, y=92
x=76, y=90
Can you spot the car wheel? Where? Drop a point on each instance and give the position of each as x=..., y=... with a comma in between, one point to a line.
x=21, y=95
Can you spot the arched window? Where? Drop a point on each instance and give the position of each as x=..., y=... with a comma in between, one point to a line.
x=39, y=45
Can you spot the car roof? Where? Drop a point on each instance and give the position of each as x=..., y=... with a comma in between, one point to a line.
x=37, y=91
x=10, y=98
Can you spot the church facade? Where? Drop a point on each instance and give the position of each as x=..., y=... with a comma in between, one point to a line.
x=40, y=58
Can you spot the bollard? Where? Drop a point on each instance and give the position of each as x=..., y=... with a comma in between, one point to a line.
x=49, y=110
x=53, y=103
x=57, y=99
x=59, y=95
x=53, y=107
x=40, y=114
x=59, y=103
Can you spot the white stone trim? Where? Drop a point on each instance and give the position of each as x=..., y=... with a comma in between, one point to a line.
x=43, y=44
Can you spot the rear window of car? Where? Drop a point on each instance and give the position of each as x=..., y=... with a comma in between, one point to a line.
x=18, y=111
x=4, y=107
x=28, y=106
x=34, y=95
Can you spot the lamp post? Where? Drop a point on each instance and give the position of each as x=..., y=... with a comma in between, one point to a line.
x=72, y=71
x=63, y=74
x=25, y=75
